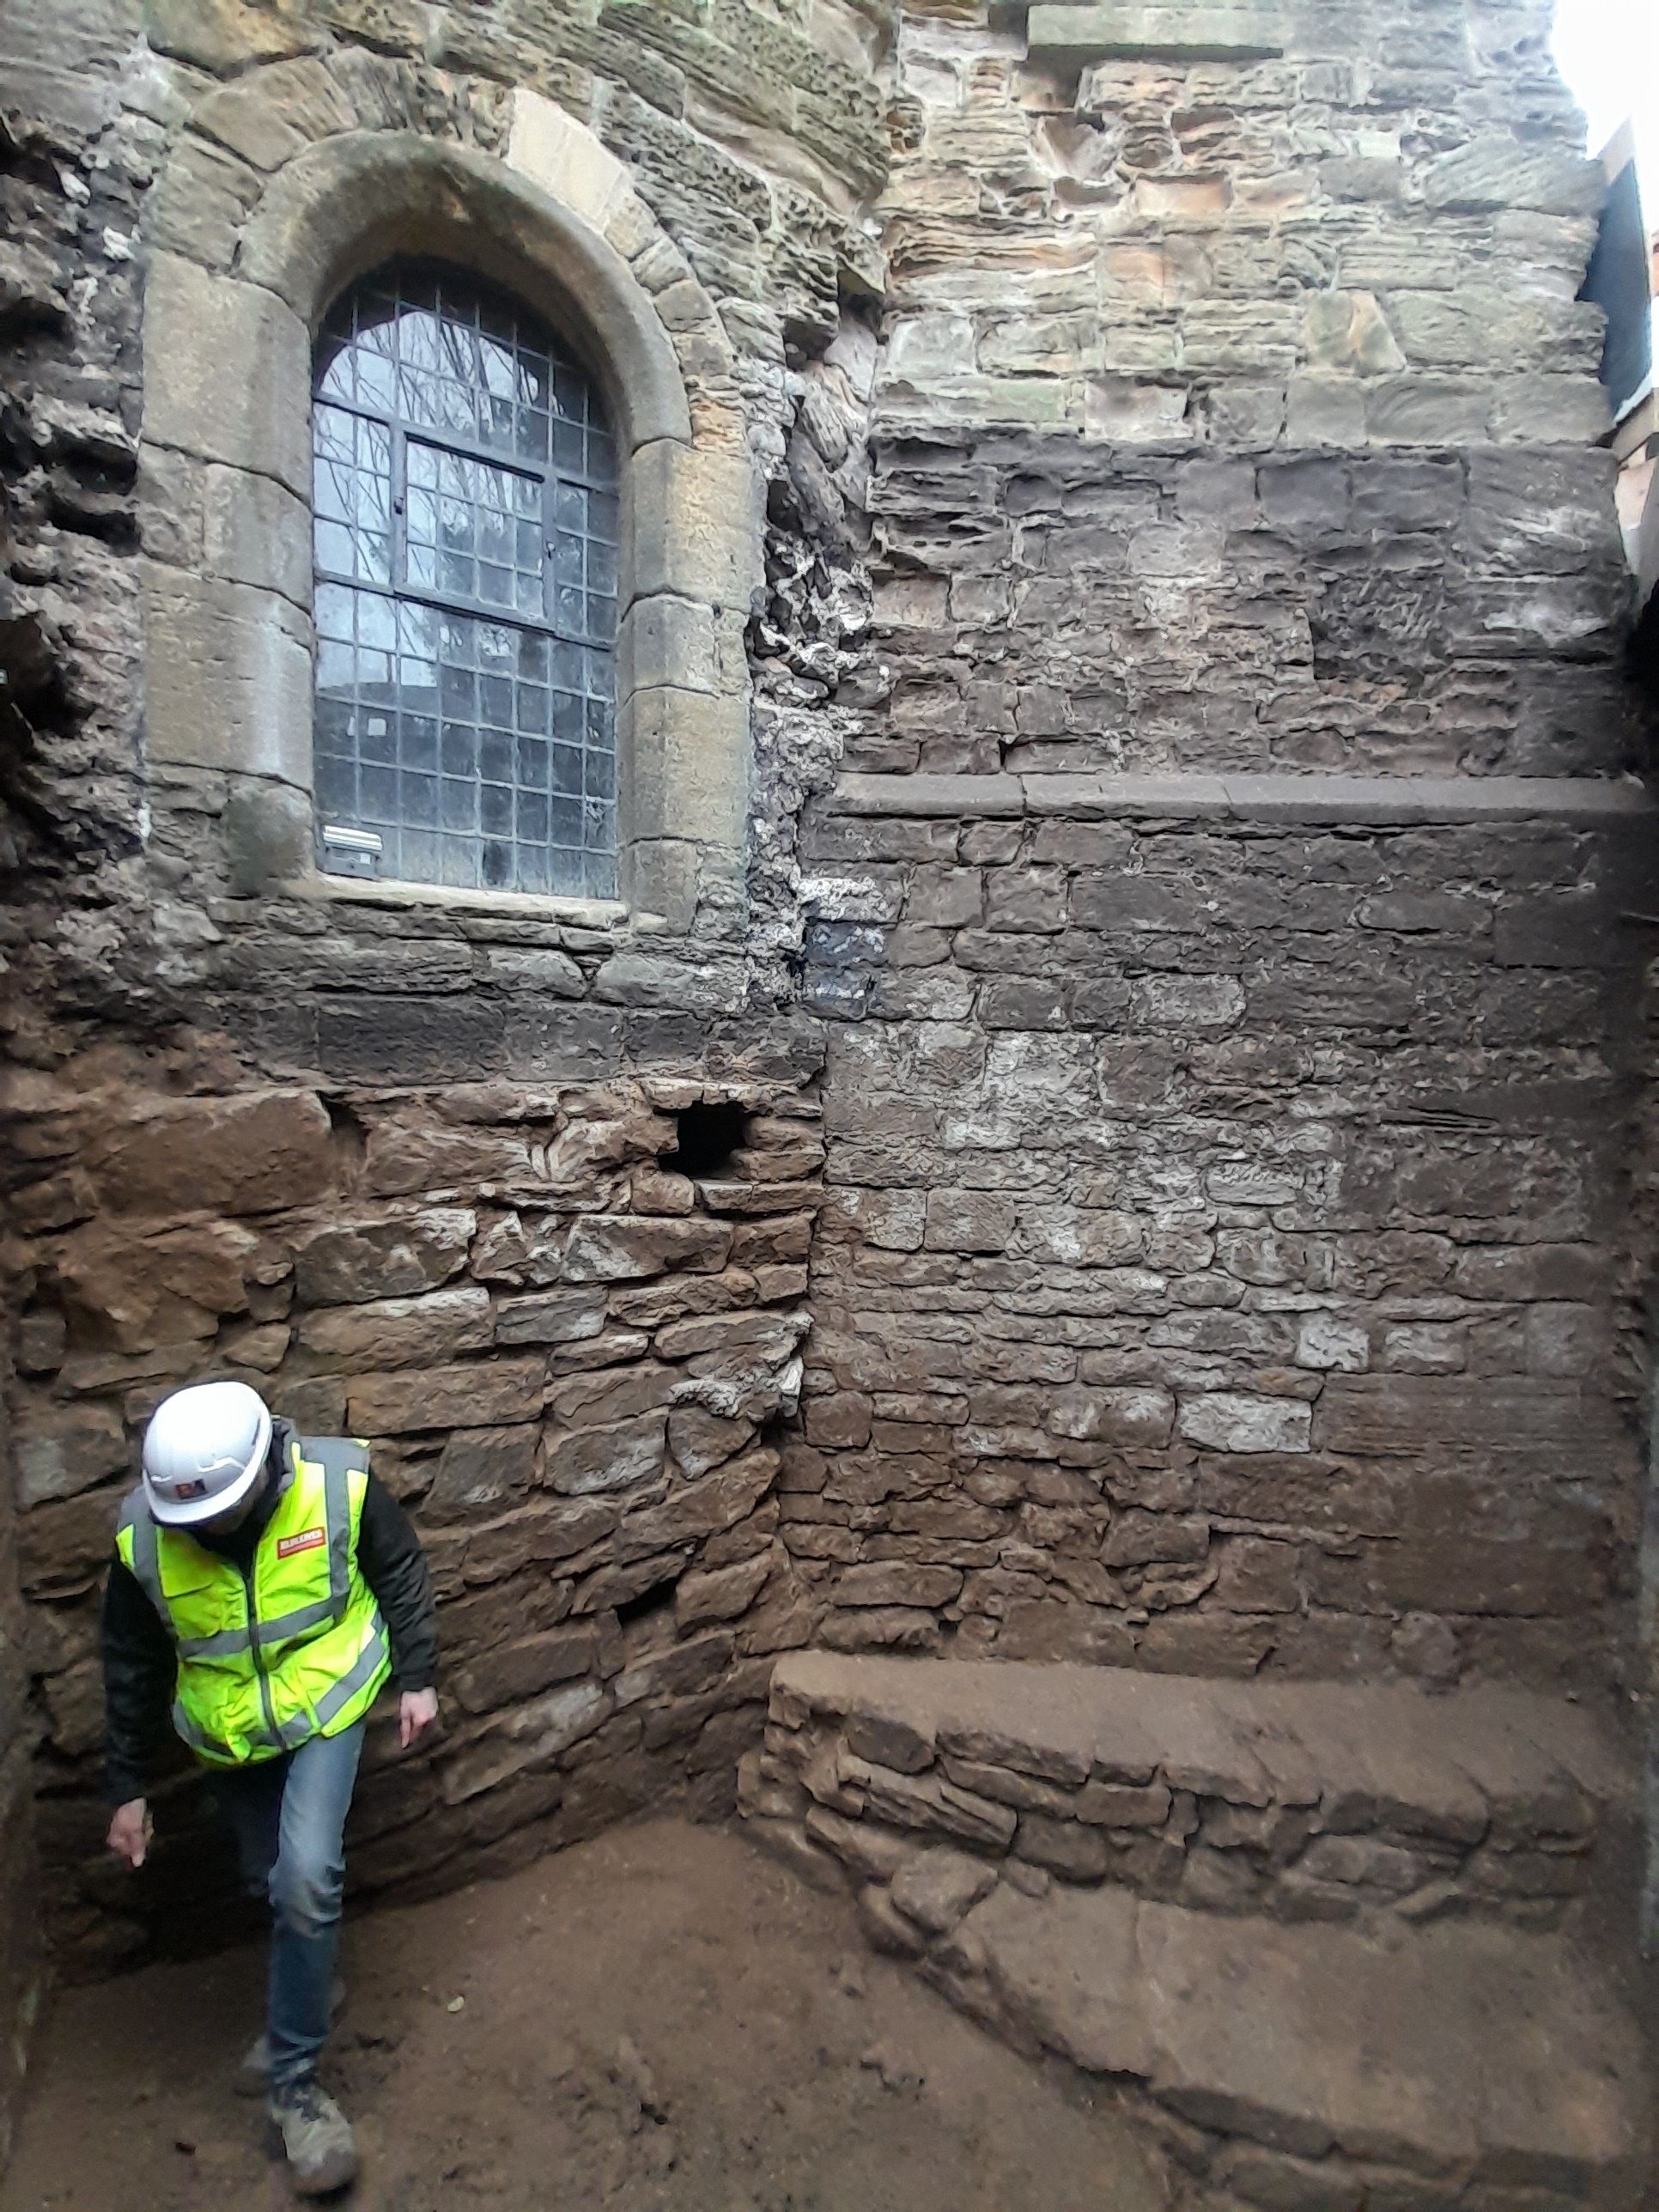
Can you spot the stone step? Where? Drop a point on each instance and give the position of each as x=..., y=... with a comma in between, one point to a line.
x=1390, y=2064
x=1300, y=1801
x=1455, y=2065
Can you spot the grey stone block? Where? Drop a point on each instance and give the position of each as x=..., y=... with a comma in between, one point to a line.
x=227, y=373
x=254, y=531
x=228, y=677
x=694, y=525
x=1495, y=171
x=1233, y=31
x=686, y=768
x=399, y=187
x=665, y=640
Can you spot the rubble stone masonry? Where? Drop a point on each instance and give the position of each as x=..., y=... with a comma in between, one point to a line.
x=1227, y=930
x=521, y=1191
x=1108, y=1136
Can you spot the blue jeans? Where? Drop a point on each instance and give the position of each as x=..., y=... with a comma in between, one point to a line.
x=289, y=1817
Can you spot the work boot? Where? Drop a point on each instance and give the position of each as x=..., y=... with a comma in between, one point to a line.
x=253, y=2073
x=322, y=2153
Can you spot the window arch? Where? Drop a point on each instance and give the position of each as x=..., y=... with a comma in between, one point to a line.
x=465, y=536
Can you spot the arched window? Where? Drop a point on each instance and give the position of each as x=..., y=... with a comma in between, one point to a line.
x=465, y=534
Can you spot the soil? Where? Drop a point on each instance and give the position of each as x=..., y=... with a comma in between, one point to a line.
x=664, y=2021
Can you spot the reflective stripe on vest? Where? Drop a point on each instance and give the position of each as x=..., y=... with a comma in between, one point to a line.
x=271, y=1679
x=375, y=1658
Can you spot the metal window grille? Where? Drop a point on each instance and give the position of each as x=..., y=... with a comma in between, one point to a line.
x=465, y=527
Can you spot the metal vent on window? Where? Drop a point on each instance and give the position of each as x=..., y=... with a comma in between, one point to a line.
x=350, y=852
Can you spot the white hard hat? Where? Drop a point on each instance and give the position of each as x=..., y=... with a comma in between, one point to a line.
x=202, y=1451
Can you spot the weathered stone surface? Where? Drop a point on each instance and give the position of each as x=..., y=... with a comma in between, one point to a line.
x=890, y=1742
x=1387, y=1867
x=896, y=1583
x=481, y=1472
x=555, y=1317
x=700, y=1509
x=1066, y=1966
x=874, y=1853
x=1065, y=1847
x=402, y=1332
x=1292, y=1800
x=531, y=1736
x=621, y=1249
x=1056, y=922
x=905, y=1802
x=1273, y=2178
x=475, y=1394
x=220, y=35
x=935, y=1888
x=399, y=1258
x=147, y=1291
x=700, y=1440
x=614, y=1394
x=514, y=1672
x=1128, y=1989
x=1230, y=1421
x=1229, y=33
x=1136, y=1539
x=1118, y=1805
x=603, y=1459
x=721, y=1593
x=1290, y=2079
x=197, y=325
x=1125, y=1418
x=63, y=1451
x=238, y=1155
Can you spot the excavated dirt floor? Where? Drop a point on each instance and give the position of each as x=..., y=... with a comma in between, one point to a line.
x=664, y=2021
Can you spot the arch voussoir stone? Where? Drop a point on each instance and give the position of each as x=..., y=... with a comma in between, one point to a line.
x=349, y=203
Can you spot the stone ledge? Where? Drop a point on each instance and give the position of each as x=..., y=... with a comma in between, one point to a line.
x=1386, y=800
x=342, y=893
x=1299, y=1801
x=1308, y=2066
x=1227, y=33
x=1440, y=2067
x=1476, y=2056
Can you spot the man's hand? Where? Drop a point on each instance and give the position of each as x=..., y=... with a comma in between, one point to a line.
x=416, y=1711
x=130, y=1831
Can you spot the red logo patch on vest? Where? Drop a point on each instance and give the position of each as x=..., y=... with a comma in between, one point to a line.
x=306, y=1540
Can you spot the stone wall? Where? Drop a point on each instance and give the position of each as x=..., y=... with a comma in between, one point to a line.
x=1327, y=1802
x=568, y=1322
x=1213, y=1898
x=1224, y=925
x=68, y=793
x=1163, y=674
x=522, y=1193
x=1220, y=1268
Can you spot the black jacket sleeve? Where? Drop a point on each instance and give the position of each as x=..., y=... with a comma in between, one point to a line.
x=394, y=1567
x=138, y=1676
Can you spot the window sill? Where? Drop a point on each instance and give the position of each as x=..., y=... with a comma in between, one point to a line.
x=524, y=905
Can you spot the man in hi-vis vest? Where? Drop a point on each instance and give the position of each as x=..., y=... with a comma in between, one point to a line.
x=267, y=1587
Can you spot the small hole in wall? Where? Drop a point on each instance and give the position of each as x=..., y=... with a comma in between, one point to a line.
x=657, y=1599
x=349, y=1130
x=709, y=1134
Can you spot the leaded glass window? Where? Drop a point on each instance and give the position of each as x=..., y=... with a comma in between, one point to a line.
x=465, y=523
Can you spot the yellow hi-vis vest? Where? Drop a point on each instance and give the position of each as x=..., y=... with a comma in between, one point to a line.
x=294, y=1647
